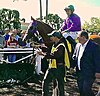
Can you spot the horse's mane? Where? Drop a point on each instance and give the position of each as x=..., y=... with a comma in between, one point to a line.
x=47, y=27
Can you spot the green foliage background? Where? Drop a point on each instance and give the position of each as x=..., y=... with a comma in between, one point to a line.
x=9, y=18
x=93, y=25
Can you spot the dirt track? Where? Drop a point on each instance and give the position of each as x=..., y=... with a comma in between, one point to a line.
x=35, y=89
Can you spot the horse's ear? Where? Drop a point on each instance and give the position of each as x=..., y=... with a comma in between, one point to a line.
x=32, y=18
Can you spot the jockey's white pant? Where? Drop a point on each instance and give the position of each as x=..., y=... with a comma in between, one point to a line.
x=72, y=34
x=38, y=63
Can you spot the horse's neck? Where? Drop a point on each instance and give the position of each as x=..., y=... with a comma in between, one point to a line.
x=43, y=30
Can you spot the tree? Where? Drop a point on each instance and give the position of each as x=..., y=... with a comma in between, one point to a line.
x=54, y=20
x=93, y=25
x=9, y=18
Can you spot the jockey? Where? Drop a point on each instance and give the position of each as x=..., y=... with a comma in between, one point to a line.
x=72, y=24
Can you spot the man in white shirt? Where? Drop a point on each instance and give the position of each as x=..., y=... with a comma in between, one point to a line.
x=81, y=50
x=87, y=59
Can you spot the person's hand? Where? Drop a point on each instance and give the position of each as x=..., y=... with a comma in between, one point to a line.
x=41, y=53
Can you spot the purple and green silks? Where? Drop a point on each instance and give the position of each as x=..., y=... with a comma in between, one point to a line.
x=72, y=23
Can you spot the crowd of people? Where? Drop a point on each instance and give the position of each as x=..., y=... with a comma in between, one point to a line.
x=12, y=39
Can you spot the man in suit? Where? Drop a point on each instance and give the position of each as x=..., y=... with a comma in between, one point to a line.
x=87, y=62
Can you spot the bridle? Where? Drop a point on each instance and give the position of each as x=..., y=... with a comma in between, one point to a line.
x=34, y=29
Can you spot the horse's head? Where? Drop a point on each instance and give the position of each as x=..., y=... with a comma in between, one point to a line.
x=32, y=30
x=38, y=26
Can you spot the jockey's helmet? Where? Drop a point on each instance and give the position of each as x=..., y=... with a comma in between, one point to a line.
x=70, y=7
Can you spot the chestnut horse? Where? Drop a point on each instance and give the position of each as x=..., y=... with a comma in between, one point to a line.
x=44, y=29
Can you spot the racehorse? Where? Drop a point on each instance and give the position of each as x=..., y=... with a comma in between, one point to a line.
x=43, y=30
